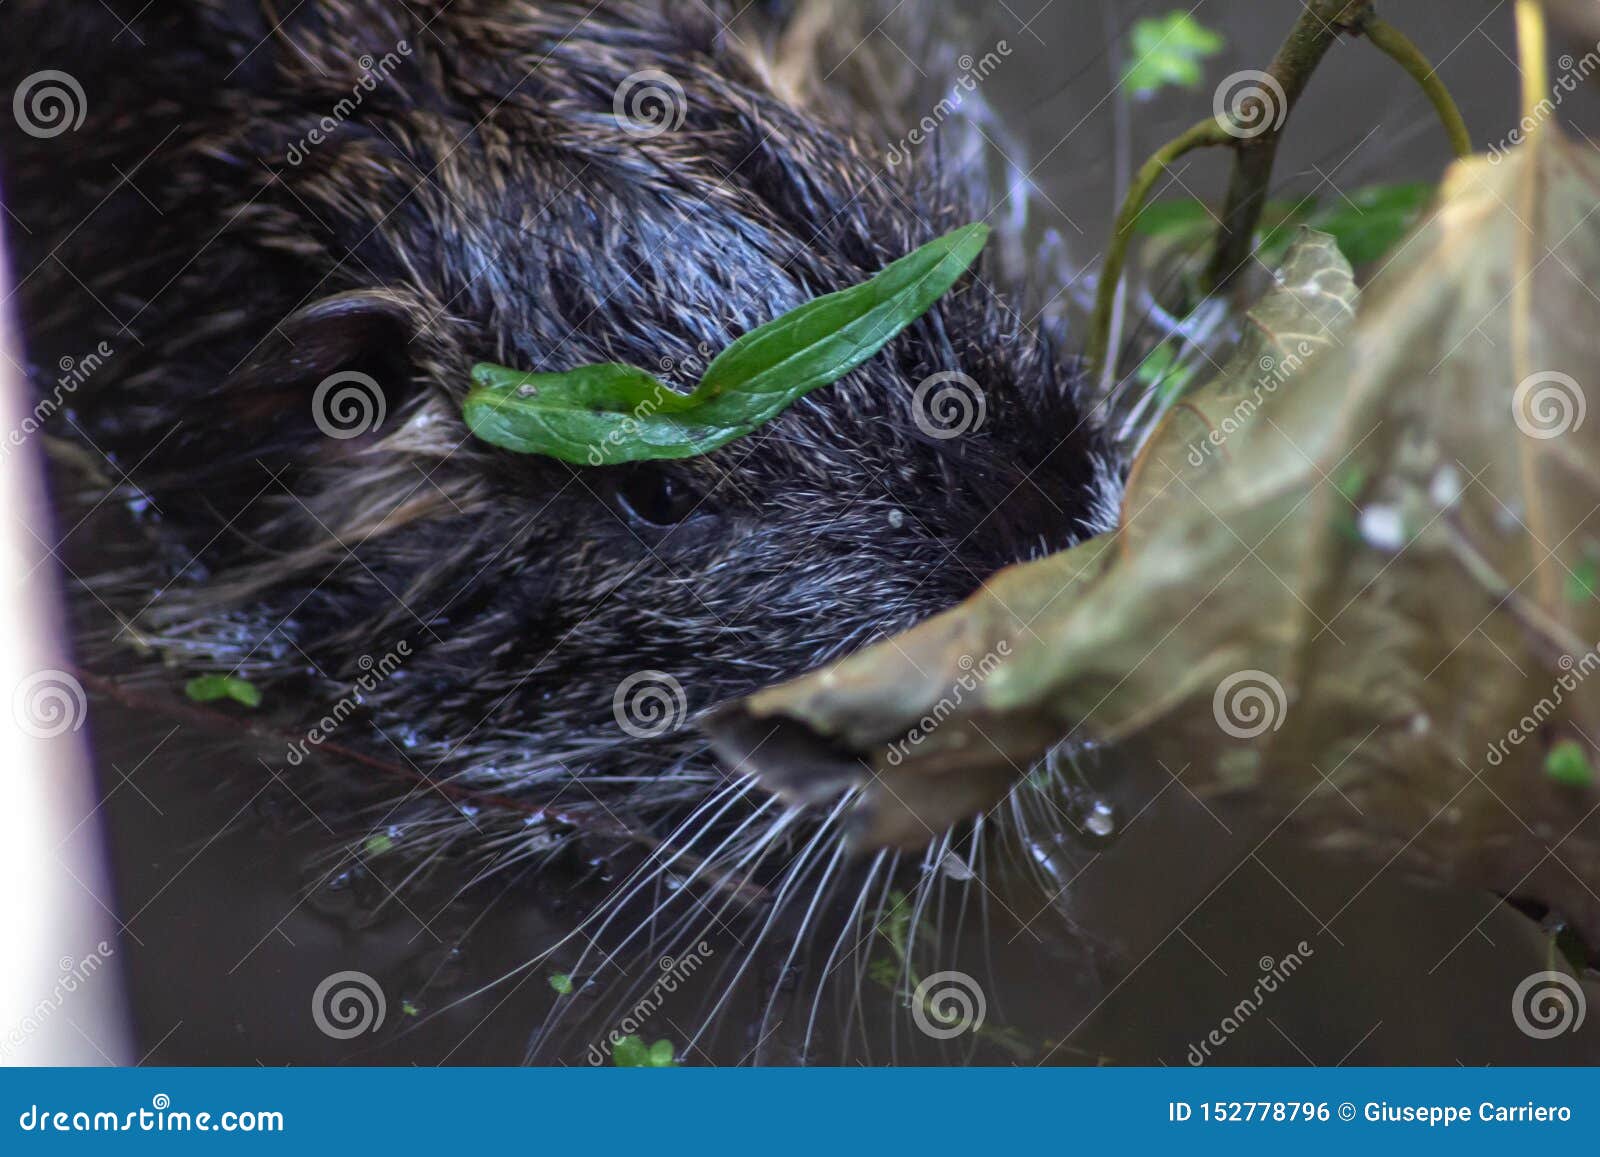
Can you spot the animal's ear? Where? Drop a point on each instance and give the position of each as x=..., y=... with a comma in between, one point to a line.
x=336, y=333
x=338, y=367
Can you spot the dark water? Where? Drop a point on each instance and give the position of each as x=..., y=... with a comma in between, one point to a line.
x=230, y=929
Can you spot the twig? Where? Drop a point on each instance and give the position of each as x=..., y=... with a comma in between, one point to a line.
x=1313, y=34
x=1205, y=134
x=1398, y=47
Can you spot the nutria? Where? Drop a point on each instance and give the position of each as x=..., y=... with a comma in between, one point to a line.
x=297, y=227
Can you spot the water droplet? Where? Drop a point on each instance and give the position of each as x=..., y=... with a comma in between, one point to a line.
x=897, y=518
x=1445, y=489
x=1101, y=820
x=955, y=867
x=1382, y=527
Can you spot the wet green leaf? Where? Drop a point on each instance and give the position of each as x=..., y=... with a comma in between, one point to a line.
x=605, y=414
x=1167, y=50
x=210, y=688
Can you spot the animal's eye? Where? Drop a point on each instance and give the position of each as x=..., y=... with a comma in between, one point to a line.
x=654, y=497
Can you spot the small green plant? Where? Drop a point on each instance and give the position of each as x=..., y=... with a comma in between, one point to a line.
x=210, y=688
x=895, y=926
x=609, y=413
x=1568, y=763
x=632, y=1053
x=1163, y=371
x=1167, y=50
x=1583, y=580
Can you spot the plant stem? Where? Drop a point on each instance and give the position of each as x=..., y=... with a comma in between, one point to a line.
x=1532, y=55
x=1313, y=34
x=1208, y=132
x=1398, y=47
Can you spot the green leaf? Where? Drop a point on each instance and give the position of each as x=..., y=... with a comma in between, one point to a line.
x=1367, y=223
x=1583, y=580
x=209, y=688
x=561, y=982
x=1568, y=763
x=1372, y=220
x=1163, y=372
x=632, y=1053
x=1168, y=50
x=605, y=414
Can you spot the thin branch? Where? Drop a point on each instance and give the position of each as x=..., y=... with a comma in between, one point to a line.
x=1207, y=133
x=1308, y=42
x=1398, y=47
